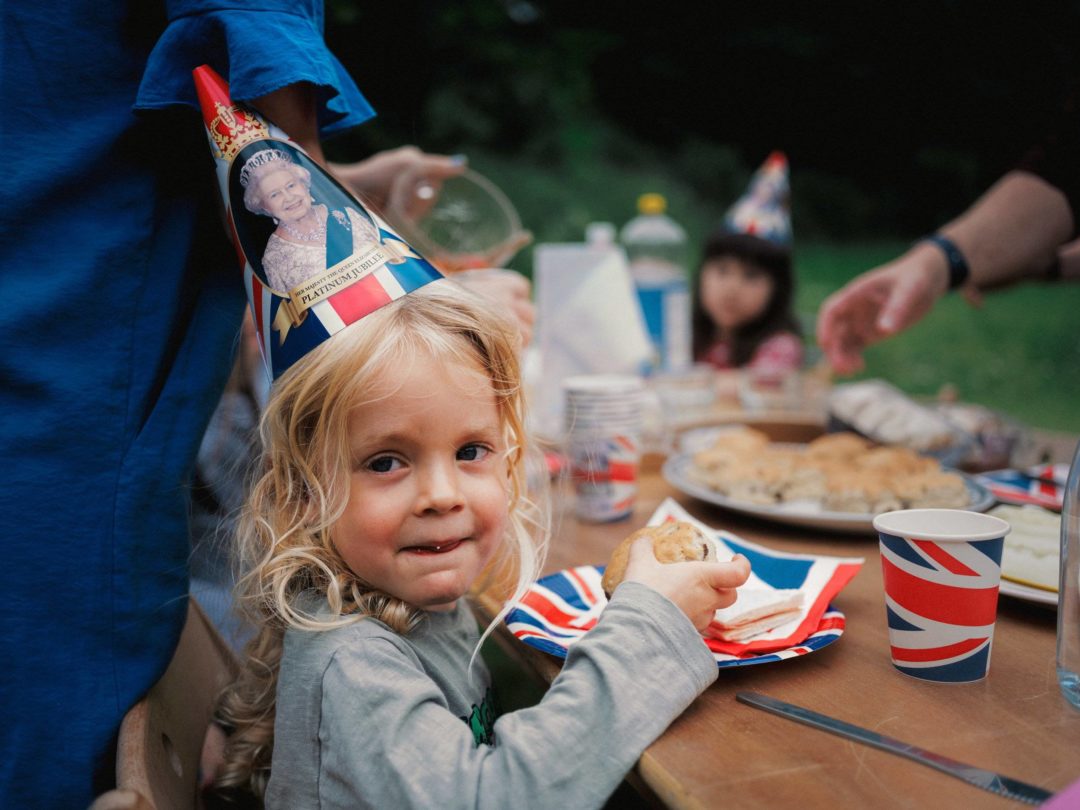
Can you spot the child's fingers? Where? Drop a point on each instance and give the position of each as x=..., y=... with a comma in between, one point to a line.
x=724, y=575
x=716, y=585
x=641, y=553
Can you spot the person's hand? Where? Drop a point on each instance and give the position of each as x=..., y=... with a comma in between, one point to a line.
x=509, y=289
x=698, y=589
x=878, y=304
x=404, y=180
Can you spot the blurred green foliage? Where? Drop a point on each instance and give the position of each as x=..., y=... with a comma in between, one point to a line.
x=894, y=116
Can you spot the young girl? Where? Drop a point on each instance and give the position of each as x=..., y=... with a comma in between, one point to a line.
x=742, y=315
x=392, y=481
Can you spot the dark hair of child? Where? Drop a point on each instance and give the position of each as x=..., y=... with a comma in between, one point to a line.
x=778, y=316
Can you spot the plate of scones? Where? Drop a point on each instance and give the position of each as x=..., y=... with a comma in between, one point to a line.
x=838, y=481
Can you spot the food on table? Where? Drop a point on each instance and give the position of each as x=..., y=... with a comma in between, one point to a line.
x=1032, y=546
x=885, y=414
x=995, y=438
x=934, y=489
x=851, y=490
x=757, y=610
x=840, y=472
x=675, y=541
x=837, y=446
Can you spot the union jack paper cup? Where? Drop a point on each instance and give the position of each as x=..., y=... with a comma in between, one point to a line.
x=942, y=568
x=603, y=443
x=604, y=468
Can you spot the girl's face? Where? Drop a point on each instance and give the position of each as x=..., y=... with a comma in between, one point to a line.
x=284, y=196
x=734, y=292
x=428, y=494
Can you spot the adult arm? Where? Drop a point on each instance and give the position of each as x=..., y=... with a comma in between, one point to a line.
x=294, y=109
x=1012, y=232
x=387, y=181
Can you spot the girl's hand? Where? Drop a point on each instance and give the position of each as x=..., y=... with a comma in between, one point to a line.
x=698, y=589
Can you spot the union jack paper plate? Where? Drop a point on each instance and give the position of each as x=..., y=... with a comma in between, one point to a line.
x=1043, y=485
x=559, y=609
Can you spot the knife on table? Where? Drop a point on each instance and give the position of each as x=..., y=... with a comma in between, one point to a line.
x=987, y=780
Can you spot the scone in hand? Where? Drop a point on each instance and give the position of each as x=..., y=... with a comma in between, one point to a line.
x=672, y=542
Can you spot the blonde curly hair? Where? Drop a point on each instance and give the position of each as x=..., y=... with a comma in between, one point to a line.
x=301, y=488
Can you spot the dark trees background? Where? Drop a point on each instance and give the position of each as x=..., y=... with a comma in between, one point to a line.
x=894, y=115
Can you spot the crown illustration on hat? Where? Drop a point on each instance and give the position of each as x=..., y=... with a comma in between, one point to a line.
x=232, y=127
x=763, y=210
x=257, y=161
x=314, y=258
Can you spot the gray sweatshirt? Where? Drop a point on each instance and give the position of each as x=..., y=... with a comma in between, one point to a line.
x=369, y=718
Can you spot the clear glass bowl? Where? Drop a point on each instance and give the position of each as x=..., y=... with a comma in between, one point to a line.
x=472, y=224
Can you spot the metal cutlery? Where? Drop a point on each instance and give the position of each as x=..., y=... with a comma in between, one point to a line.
x=987, y=780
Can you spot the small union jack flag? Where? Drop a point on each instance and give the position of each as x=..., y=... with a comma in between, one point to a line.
x=386, y=284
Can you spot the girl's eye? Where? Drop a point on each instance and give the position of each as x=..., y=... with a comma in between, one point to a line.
x=383, y=464
x=472, y=452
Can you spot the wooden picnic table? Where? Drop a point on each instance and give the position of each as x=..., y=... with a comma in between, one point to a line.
x=721, y=753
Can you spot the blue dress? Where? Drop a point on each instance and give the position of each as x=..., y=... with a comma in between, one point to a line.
x=120, y=302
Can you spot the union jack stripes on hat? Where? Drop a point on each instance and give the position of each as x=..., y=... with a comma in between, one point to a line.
x=326, y=318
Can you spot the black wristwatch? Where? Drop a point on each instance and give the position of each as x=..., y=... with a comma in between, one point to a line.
x=958, y=266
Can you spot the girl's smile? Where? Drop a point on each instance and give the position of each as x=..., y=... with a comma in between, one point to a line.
x=435, y=548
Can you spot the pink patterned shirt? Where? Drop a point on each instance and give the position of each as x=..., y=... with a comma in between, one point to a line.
x=780, y=352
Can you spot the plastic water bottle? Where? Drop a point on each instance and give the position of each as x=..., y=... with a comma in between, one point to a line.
x=655, y=246
x=1068, y=615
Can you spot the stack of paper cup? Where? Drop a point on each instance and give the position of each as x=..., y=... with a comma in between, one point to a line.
x=603, y=419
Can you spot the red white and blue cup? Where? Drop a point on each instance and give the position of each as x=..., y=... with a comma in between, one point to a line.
x=603, y=443
x=941, y=568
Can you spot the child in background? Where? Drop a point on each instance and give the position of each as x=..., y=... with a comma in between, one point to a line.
x=743, y=315
x=742, y=312
x=392, y=484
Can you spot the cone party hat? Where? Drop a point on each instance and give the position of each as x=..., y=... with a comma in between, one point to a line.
x=764, y=211
x=314, y=258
